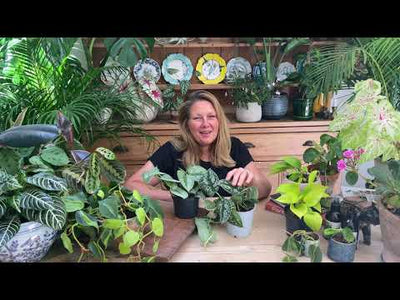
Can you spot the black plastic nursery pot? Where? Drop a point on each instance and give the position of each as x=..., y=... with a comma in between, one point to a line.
x=186, y=208
x=303, y=109
x=293, y=223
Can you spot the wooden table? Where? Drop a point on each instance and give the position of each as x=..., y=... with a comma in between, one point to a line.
x=263, y=245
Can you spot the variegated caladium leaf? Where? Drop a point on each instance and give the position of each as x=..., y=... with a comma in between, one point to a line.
x=47, y=182
x=8, y=228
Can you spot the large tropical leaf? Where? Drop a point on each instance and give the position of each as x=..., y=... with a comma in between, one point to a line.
x=35, y=199
x=54, y=216
x=47, y=182
x=8, y=228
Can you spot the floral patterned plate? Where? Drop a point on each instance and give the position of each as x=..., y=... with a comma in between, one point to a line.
x=237, y=67
x=147, y=69
x=176, y=67
x=211, y=68
x=284, y=69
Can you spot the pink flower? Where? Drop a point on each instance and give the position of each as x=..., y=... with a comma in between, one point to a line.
x=341, y=165
x=348, y=154
x=156, y=94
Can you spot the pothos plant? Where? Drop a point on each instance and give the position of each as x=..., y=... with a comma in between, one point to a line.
x=100, y=212
x=304, y=203
x=297, y=171
x=294, y=246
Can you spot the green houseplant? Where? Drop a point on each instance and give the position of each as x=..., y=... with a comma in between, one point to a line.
x=31, y=186
x=302, y=242
x=303, y=204
x=342, y=244
x=45, y=75
x=295, y=169
x=173, y=99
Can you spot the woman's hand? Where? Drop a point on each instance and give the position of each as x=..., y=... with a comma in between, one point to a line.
x=240, y=177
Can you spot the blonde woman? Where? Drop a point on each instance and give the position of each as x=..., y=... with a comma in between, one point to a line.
x=204, y=141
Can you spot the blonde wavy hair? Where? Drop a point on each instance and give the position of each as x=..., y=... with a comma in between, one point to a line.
x=220, y=149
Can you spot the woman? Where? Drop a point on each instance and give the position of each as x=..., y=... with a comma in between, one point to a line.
x=204, y=141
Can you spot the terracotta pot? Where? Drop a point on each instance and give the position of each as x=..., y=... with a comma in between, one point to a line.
x=334, y=183
x=390, y=229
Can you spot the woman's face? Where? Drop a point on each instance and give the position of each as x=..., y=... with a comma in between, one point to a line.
x=203, y=123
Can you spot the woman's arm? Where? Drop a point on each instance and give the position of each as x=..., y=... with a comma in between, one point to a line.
x=250, y=176
x=135, y=182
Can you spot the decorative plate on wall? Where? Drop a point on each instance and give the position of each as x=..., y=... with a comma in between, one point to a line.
x=237, y=67
x=284, y=69
x=176, y=67
x=211, y=68
x=257, y=69
x=147, y=69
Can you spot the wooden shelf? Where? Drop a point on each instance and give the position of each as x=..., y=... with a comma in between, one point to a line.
x=222, y=45
x=200, y=86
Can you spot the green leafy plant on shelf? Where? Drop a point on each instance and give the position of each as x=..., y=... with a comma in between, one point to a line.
x=174, y=95
x=247, y=90
x=305, y=202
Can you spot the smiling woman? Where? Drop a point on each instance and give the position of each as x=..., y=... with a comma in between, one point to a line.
x=205, y=140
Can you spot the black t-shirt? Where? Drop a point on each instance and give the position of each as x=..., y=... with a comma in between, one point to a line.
x=168, y=160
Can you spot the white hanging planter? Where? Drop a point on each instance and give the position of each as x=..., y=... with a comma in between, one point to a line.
x=251, y=114
x=247, y=221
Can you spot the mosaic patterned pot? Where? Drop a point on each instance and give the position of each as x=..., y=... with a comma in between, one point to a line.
x=30, y=244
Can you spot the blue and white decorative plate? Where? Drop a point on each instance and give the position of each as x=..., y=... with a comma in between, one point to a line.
x=237, y=67
x=284, y=69
x=176, y=67
x=147, y=69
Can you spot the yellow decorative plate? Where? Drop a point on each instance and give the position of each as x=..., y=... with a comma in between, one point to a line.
x=211, y=68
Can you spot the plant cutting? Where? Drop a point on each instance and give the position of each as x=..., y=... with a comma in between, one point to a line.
x=303, y=210
x=302, y=242
x=342, y=244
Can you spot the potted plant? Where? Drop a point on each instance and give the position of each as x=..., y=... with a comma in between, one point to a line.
x=108, y=216
x=248, y=96
x=342, y=244
x=301, y=242
x=303, y=207
x=276, y=107
x=173, y=97
x=387, y=180
x=295, y=169
x=324, y=157
x=245, y=204
x=31, y=184
x=187, y=190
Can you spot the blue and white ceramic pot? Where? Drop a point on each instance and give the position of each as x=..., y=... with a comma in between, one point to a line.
x=30, y=244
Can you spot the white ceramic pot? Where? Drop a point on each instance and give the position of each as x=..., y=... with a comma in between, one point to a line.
x=251, y=114
x=30, y=244
x=247, y=221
